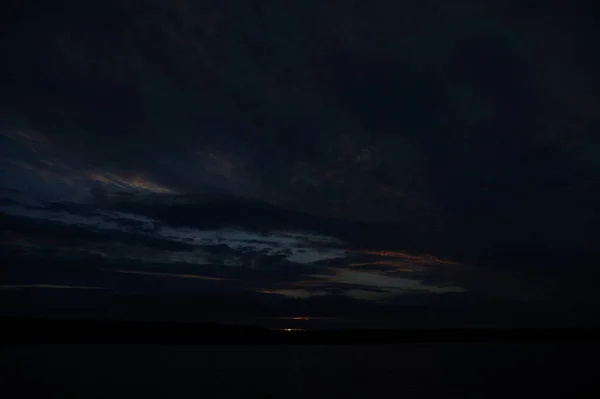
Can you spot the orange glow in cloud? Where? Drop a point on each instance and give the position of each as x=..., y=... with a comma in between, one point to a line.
x=48, y=167
x=136, y=182
x=347, y=280
x=51, y=169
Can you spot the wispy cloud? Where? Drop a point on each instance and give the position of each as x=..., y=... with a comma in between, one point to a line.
x=51, y=286
x=30, y=135
x=34, y=152
x=136, y=182
x=161, y=274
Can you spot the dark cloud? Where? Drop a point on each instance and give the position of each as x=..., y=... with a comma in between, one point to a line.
x=291, y=258
x=460, y=138
x=287, y=258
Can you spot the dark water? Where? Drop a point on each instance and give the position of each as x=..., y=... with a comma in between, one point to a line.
x=309, y=371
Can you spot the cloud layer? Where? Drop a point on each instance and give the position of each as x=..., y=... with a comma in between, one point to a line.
x=320, y=149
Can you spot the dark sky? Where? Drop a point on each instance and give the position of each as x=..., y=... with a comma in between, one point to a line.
x=325, y=154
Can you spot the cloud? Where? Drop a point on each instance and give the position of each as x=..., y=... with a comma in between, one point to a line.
x=269, y=248
x=444, y=146
x=361, y=285
x=134, y=182
x=291, y=262
x=48, y=286
x=307, y=258
x=192, y=276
